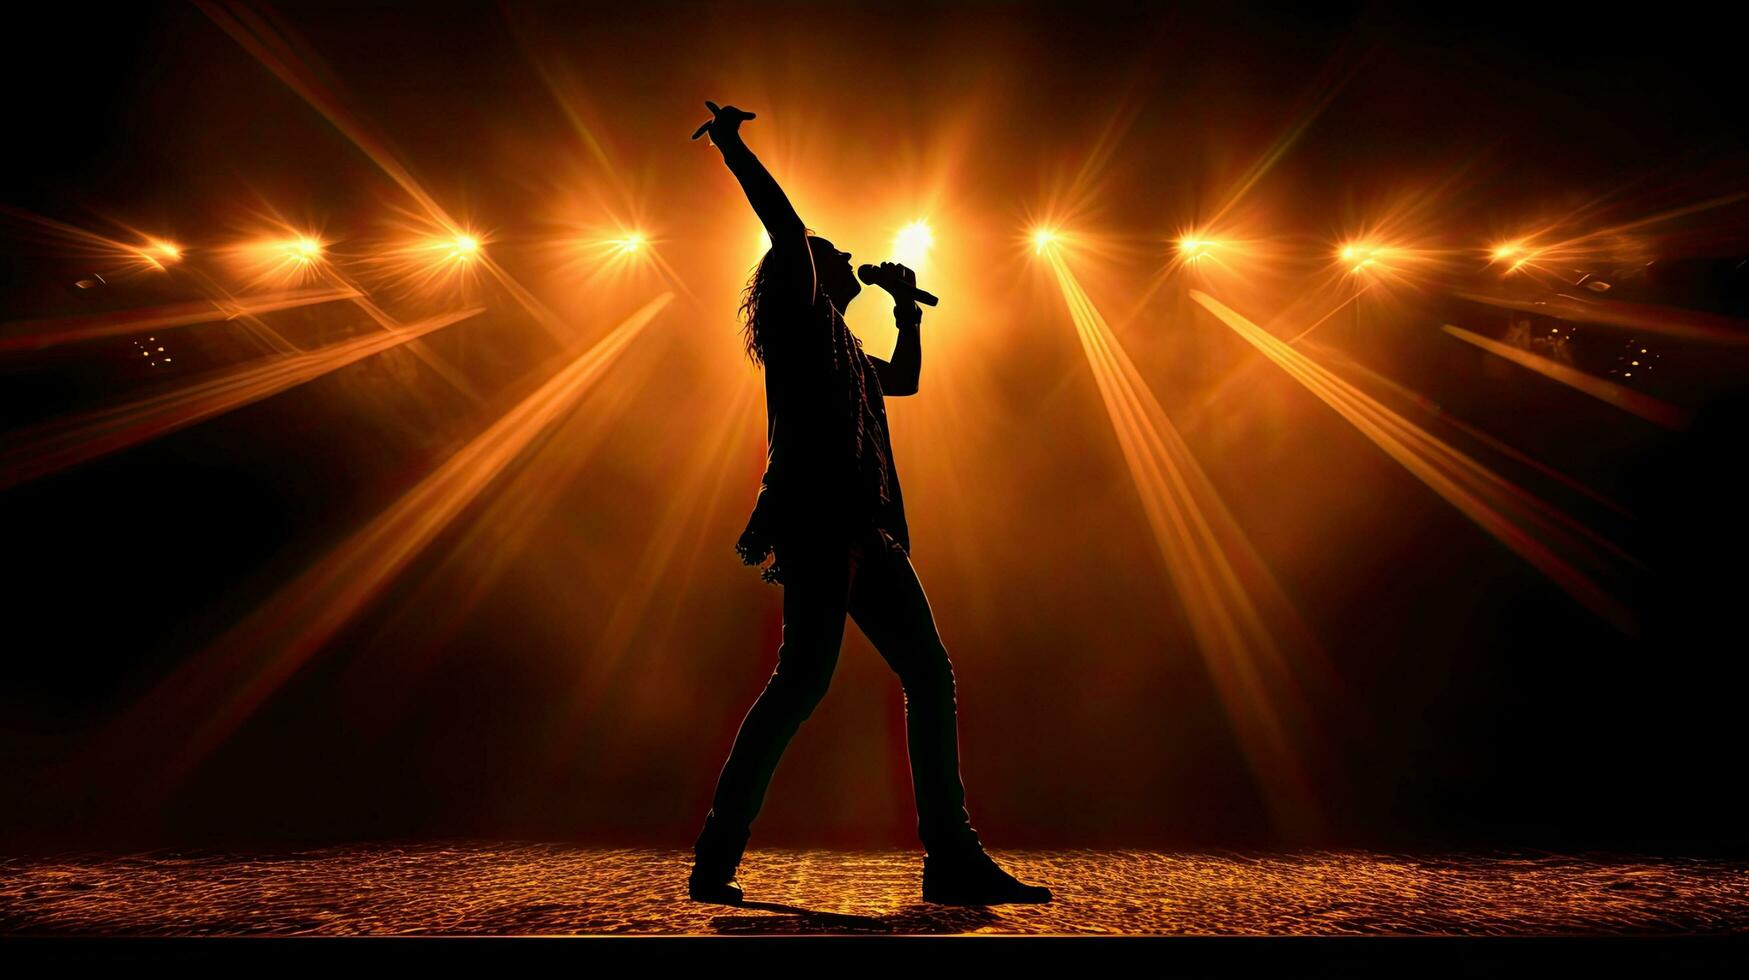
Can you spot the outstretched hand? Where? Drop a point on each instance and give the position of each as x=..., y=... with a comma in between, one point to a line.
x=725, y=122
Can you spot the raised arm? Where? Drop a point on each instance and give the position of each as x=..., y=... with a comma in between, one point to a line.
x=788, y=234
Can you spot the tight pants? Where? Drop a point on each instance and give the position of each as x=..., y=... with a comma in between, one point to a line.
x=878, y=588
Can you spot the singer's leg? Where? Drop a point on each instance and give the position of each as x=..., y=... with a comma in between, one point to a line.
x=889, y=606
x=817, y=581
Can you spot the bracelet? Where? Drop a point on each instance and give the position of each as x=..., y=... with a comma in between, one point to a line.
x=908, y=318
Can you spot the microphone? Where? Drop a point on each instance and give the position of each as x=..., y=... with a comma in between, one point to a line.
x=871, y=276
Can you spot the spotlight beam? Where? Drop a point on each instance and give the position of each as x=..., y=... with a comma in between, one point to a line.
x=1627, y=399
x=1229, y=598
x=422, y=350
x=1665, y=321
x=1509, y=514
x=206, y=699
x=492, y=542
x=54, y=446
x=38, y=334
x=1432, y=408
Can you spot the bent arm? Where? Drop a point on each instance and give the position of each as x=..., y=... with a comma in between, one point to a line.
x=771, y=204
x=900, y=376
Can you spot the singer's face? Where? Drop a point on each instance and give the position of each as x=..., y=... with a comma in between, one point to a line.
x=833, y=267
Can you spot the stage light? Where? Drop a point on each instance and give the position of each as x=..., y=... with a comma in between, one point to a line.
x=431, y=261
x=161, y=253
x=1360, y=255
x=275, y=259
x=1514, y=252
x=1195, y=248
x=1043, y=238
x=912, y=244
x=630, y=243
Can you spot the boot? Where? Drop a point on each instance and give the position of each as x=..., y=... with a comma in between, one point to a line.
x=973, y=878
x=716, y=855
x=709, y=886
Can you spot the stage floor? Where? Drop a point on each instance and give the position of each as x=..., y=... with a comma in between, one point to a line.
x=495, y=888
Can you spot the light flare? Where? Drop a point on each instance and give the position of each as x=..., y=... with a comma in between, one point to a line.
x=161, y=253
x=459, y=248
x=912, y=244
x=1362, y=256
x=277, y=261
x=1191, y=248
x=428, y=262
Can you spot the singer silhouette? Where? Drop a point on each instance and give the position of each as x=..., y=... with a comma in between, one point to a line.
x=830, y=516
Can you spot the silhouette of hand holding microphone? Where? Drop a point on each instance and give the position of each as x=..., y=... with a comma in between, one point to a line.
x=900, y=281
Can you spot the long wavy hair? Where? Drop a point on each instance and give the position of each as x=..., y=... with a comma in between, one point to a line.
x=847, y=361
x=753, y=306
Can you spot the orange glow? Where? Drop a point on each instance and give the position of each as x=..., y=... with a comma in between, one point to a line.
x=1516, y=256
x=426, y=262
x=277, y=260
x=912, y=244
x=1388, y=254
x=160, y=253
x=1361, y=256
x=1058, y=235
x=1192, y=249
x=613, y=255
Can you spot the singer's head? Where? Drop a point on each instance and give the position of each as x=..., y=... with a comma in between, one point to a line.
x=837, y=276
x=831, y=266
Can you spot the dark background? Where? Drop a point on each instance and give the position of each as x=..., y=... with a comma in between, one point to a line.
x=1485, y=707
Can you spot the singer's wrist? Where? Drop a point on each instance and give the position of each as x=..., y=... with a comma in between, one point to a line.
x=908, y=314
